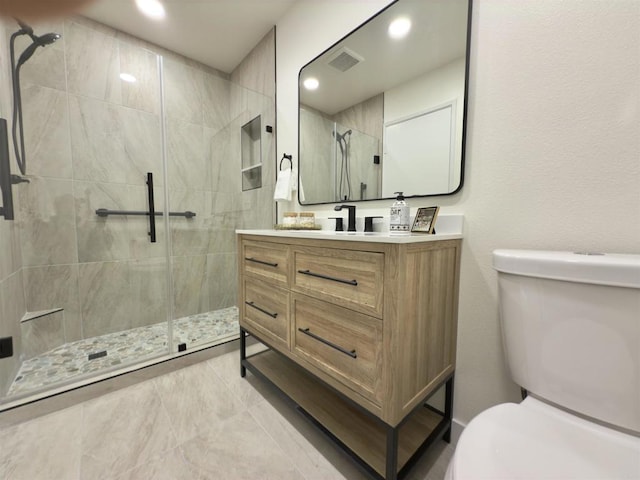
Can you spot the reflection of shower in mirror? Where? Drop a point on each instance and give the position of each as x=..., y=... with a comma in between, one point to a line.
x=383, y=98
x=344, y=175
x=357, y=174
x=343, y=161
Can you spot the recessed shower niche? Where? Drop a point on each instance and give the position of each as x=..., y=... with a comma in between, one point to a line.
x=251, y=145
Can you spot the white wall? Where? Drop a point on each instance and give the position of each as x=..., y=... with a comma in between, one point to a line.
x=553, y=146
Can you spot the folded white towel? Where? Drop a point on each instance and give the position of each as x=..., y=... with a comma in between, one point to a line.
x=284, y=186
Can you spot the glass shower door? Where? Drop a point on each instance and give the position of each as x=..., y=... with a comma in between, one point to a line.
x=205, y=175
x=90, y=288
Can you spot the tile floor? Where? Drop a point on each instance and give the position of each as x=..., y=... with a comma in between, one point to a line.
x=198, y=423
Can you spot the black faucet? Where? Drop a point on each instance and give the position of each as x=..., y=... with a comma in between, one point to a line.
x=339, y=223
x=368, y=223
x=351, y=222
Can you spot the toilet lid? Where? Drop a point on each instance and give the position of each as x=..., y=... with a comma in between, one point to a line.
x=533, y=440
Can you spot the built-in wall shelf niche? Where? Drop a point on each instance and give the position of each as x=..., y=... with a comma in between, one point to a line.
x=28, y=316
x=251, y=145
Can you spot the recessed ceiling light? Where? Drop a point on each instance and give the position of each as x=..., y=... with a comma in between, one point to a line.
x=151, y=8
x=311, y=83
x=400, y=27
x=127, y=77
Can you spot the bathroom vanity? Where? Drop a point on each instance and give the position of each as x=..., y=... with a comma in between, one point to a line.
x=361, y=330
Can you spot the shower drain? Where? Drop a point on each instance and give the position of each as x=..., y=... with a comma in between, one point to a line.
x=93, y=356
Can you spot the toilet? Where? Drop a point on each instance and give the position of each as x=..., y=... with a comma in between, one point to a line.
x=571, y=335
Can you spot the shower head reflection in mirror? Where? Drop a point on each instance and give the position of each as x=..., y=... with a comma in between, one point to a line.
x=344, y=142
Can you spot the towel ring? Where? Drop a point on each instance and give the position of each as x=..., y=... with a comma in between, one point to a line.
x=288, y=157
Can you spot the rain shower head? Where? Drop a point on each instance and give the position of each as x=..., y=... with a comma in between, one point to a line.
x=38, y=41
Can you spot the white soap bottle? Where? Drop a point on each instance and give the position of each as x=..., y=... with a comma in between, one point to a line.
x=399, y=216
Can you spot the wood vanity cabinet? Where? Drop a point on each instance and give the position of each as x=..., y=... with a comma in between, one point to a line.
x=361, y=333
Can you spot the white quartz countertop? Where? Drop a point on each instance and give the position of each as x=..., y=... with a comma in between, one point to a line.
x=448, y=227
x=380, y=237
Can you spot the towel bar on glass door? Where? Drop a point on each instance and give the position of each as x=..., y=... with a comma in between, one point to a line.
x=103, y=212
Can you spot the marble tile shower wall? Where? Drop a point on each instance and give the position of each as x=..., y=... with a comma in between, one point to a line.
x=90, y=139
x=254, y=81
x=316, y=140
x=366, y=116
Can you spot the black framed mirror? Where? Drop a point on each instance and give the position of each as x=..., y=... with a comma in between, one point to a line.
x=381, y=111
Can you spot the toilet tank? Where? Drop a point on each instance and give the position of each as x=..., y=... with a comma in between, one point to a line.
x=571, y=330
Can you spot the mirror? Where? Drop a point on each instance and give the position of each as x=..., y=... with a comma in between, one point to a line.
x=387, y=114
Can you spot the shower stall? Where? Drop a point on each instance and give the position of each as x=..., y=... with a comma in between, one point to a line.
x=340, y=157
x=122, y=248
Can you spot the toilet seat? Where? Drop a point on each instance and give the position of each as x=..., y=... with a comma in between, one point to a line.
x=533, y=440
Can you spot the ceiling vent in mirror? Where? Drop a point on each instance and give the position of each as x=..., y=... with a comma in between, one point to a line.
x=344, y=59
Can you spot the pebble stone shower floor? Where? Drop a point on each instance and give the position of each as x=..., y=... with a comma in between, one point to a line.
x=72, y=359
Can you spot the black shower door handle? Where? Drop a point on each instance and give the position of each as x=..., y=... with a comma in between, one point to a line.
x=152, y=208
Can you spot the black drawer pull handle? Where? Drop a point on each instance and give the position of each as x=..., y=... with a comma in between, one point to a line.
x=306, y=331
x=327, y=277
x=251, y=304
x=251, y=259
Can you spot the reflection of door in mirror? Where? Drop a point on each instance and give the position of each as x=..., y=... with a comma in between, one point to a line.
x=409, y=91
x=418, y=152
x=423, y=127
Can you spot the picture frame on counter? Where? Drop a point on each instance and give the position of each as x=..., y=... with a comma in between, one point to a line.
x=425, y=220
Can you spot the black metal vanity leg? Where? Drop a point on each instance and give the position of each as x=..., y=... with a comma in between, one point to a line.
x=392, y=453
x=243, y=352
x=448, y=408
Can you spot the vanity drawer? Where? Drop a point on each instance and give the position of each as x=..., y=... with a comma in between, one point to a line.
x=266, y=308
x=268, y=261
x=344, y=344
x=349, y=278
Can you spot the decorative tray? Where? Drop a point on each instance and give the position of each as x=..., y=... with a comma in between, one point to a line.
x=280, y=226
